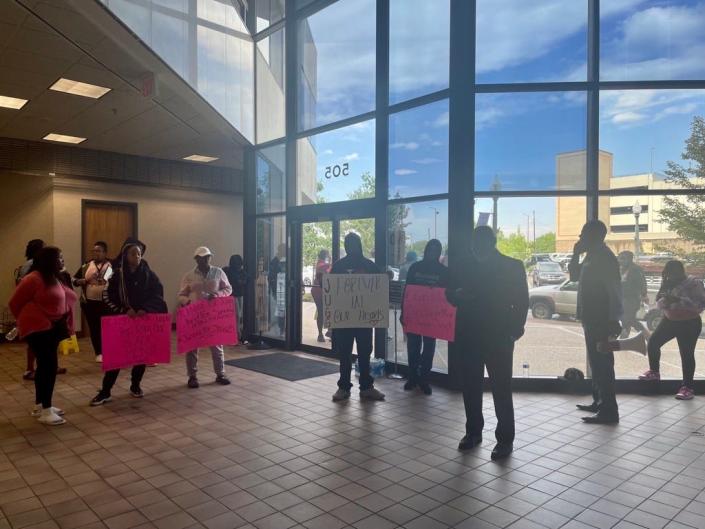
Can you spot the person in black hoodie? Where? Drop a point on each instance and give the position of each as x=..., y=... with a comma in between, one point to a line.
x=428, y=272
x=492, y=297
x=235, y=271
x=354, y=263
x=134, y=290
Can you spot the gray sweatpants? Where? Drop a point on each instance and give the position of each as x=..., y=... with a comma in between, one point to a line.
x=218, y=361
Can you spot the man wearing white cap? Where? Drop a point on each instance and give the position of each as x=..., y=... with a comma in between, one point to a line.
x=204, y=282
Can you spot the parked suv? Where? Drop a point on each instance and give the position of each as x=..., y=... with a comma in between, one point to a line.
x=547, y=273
x=562, y=300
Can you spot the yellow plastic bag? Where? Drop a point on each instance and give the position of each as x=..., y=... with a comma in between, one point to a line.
x=69, y=345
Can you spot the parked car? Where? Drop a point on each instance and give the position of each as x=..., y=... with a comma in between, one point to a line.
x=547, y=273
x=538, y=258
x=307, y=275
x=562, y=300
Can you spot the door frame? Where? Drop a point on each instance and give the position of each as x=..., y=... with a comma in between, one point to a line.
x=335, y=213
x=85, y=203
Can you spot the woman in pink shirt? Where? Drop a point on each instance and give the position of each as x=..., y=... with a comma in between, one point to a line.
x=43, y=307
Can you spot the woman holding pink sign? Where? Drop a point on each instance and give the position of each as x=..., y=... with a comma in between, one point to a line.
x=428, y=272
x=134, y=290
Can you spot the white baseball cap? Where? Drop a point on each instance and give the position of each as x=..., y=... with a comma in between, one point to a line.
x=202, y=251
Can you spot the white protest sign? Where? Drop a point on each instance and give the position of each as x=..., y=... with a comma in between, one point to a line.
x=353, y=301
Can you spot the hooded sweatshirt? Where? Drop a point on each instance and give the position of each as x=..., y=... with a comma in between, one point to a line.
x=689, y=303
x=354, y=262
x=138, y=290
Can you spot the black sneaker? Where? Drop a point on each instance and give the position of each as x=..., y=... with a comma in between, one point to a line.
x=192, y=382
x=136, y=392
x=410, y=384
x=425, y=388
x=100, y=399
x=223, y=381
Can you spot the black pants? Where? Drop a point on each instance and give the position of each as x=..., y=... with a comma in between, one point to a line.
x=686, y=332
x=44, y=345
x=343, y=344
x=629, y=320
x=497, y=356
x=602, y=365
x=420, y=362
x=110, y=378
x=94, y=311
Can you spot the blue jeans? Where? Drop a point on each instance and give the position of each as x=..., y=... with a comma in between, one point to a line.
x=420, y=363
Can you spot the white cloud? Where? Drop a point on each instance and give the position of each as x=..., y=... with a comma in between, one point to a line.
x=427, y=161
x=627, y=108
x=404, y=172
x=352, y=156
x=442, y=120
x=327, y=152
x=627, y=117
x=409, y=146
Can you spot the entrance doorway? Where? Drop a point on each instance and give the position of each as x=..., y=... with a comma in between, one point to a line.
x=111, y=222
x=322, y=244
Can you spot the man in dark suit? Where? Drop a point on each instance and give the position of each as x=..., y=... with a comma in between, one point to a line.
x=492, y=298
x=599, y=310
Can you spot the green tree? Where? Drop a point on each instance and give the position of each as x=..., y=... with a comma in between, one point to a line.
x=685, y=214
x=514, y=245
x=546, y=243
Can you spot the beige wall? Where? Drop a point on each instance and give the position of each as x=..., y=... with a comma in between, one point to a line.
x=172, y=223
x=25, y=213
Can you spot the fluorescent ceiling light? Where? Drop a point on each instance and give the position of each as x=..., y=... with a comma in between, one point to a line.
x=12, y=102
x=200, y=158
x=63, y=138
x=79, y=89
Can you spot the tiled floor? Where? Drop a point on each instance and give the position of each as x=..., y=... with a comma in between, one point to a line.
x=269, y=454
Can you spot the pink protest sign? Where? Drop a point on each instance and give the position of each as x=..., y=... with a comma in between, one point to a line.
x=428, y=313
x=133, y=341
x=206, y=323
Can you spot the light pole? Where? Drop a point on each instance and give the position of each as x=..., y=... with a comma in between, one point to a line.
x=435, y=221
x=636, y=209
x=495, y=188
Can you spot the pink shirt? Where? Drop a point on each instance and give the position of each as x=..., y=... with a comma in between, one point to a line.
x=36, y=305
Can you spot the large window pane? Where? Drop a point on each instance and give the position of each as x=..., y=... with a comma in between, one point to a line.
x=528, y=141
x=419, y=38
x=652, y=40
x=644, y=137
x=271, y=103
x=270, y=282
x=271, y=179
x=418, y=151
x=656, y=229
x=410, y=227
x=336, y=58
x=541, y=232
x=540, y=40
x=337, y=165
x=268, y=12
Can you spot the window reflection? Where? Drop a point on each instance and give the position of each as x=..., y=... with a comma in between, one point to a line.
x=271, y=102
x=270, y=280
x=271, y=179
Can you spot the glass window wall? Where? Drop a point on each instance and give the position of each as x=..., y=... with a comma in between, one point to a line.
x=271, y=103
x=271, y=179
x=270, y=281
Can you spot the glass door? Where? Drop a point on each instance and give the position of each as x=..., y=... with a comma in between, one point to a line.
x=320, y=244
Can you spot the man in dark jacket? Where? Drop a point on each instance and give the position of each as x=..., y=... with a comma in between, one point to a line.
x=428, y=272
x=492, y=297
x=354, y=263
x=134, y=290
x=599, y=309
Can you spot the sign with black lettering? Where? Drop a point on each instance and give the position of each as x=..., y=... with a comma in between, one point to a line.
x=334, y=171
x=354, y=301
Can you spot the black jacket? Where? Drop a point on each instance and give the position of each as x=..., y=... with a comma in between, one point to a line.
x=138, y=290
x=355, y=264
x=492, y=298
x=599, y=287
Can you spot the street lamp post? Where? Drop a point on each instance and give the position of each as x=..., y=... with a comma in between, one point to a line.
x=636, y=209
x=496, y=187
x=435, y=222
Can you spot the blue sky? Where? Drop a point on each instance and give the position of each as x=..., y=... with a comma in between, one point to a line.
x=517, y=135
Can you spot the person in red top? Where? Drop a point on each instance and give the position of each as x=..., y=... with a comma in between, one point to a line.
x=43, y=307
x=322, y=267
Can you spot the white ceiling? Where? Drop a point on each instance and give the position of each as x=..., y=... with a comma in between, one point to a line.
x=43, y=40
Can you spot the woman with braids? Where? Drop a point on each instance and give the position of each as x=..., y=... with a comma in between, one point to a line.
x=134, y=290
x=43, y=307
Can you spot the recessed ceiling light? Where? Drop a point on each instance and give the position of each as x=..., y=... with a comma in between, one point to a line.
x=12, y=102
x=200, y=158
x=78, y=88
x=63, y=138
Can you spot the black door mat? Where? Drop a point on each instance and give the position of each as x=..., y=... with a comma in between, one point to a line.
x=287, y=366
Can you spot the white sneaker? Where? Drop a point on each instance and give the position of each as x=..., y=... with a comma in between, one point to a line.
x=37, y=410
x=341, y=394
x=50, y=418
x=99, y=358
x=372, y=394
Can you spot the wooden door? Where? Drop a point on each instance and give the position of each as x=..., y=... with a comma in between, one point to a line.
x=112, y=222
